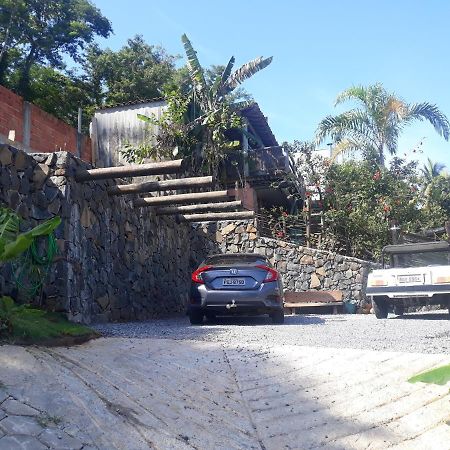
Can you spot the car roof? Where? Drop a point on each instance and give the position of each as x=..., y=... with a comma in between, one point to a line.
x=418, y=247
x=234, y=255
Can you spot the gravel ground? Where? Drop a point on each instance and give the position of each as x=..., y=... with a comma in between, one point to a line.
x=417, y=333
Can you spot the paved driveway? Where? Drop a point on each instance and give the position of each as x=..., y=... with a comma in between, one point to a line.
x=235, y=385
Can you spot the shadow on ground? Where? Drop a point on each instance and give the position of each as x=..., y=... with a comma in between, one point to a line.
x=423, y=316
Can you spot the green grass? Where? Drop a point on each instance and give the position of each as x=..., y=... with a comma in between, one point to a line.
x=29, y=325
x=440, y=375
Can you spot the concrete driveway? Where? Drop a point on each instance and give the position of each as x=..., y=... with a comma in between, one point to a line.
x=168, y=393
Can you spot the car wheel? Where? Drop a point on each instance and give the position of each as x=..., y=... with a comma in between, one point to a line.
x=277, y=317
x=380, y=308
x=399, y=310
x=196, y=317
x=211, y=317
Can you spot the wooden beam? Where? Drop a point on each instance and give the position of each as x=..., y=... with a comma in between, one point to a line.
x=165, y=185
x=135, y=170
x=214, y=217
x=180, y=199
x=224, y=206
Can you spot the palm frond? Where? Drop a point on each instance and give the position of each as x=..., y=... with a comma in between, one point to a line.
x=353, y=93
x=355, y=124
x=427, y=111
x=345, y=146
x=244, y=72
x=196, y=72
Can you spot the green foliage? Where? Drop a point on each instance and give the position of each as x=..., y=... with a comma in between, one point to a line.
x=281, y=225
x=375, y=126
x=439, y=375
x=196, y=121
x=13, y=243
x=31, y=325
x=35, y=32
x=7, y=307
x=137, y=71
x=361, y=202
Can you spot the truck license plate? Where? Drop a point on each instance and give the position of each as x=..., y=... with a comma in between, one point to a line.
x=408, y=279
x=234, y=282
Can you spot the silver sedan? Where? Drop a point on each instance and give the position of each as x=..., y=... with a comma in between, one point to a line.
x=237, y=283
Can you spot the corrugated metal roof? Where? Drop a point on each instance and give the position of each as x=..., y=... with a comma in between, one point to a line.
x=259, y=122
x=132, y=103
x=252, y=113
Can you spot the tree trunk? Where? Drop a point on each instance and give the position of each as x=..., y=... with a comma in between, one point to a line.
x=24, y=81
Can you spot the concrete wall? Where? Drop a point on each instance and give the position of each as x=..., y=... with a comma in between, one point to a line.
x=28, y=127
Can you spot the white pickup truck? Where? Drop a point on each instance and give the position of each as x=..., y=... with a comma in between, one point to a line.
x=412, y=275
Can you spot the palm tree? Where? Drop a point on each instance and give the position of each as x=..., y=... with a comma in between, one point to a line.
x=431, y=170
x=375, y=126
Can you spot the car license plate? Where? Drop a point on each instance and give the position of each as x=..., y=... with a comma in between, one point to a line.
x=234, y=282
x=408, y=279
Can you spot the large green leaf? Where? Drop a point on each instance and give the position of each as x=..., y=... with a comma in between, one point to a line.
x=439, y=375
x=245, y=71
x=9, y=226
x=195, y=69
x=23, y=241
x=223, y=78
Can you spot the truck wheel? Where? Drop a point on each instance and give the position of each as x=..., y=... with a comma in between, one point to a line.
x=380, y=308
x=399, y=310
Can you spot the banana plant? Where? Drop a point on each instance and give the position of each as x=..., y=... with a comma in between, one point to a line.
x=209, y=97
x=12, y=242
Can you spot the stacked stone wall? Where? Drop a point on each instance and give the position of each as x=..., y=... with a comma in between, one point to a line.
x=115, y=262
x=119, y=262
x=302, y=268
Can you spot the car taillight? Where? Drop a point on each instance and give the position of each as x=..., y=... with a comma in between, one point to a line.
x=272, y=274
x=197, y=275
x=442, y=279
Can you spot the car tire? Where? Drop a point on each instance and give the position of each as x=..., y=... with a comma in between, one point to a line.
x=211, y=317
x=277, y=317
x=399, y=310
x=380, y=308
x=196, y=317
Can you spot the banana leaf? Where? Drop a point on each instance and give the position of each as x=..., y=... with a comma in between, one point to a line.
x=23, y=241
x=9, y=226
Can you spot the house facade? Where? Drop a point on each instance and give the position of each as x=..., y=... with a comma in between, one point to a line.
x=250, y=173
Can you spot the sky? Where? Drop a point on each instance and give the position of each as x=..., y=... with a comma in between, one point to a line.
x=319, y=48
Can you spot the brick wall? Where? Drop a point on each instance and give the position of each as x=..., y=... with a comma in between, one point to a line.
x=11, y=113
x=44, y=132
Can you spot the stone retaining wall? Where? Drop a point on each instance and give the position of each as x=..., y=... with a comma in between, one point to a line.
x=302, y=268
x=118, y=262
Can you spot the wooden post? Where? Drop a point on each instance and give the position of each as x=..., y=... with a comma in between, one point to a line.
x=224, y=206
x=308, y=222
x=214, y=217
x=165, y=185
x=178, y=199
x=134, y=170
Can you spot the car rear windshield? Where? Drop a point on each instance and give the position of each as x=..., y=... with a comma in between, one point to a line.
x=223, y=260
x=421, y=259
